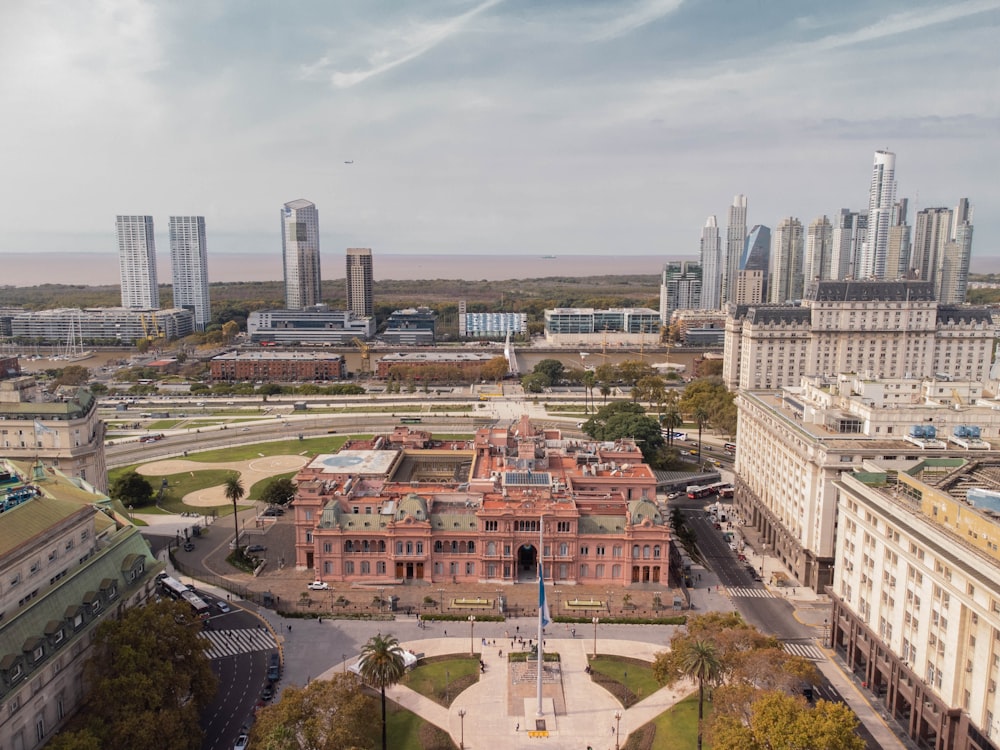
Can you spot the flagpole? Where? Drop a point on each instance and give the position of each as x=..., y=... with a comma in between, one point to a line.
x=541, y=607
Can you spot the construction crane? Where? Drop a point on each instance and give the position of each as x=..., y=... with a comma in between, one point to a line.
x=366, y=354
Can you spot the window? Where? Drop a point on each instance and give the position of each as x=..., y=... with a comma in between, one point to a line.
x=562, y=526
x=349, y=567
x=563, y=549
x=490, y=525
x=366, y=567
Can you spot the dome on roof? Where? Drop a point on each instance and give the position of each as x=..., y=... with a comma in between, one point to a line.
x=412, y=505
x=640, y=510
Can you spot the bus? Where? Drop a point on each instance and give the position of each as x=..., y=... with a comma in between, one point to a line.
x=696, y=491
x=730, y=448
x=409, y=420
x=177, y=590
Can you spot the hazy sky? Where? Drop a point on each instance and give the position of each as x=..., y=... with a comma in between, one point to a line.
x=486, y=126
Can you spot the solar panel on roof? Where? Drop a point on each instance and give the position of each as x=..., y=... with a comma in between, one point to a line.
x=532, y=478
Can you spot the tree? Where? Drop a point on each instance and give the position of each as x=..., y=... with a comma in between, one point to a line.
x=671, y=420
x=72, y=375
x=626, y=419
x=149, y=679
x=535, y=382
x=324, y=715
x=551, y=368
x=381, y=666
x=234, y=493
x=589, y=381
x=700, y=662
x=131, y=489
x=700, y=418
x=229, y=330
x=495, y=369
x=278, y=491
x=782, y=722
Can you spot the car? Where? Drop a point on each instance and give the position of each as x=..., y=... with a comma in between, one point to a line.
x=188, y=547
x=274, y=511
x=241, y=742
x=732, y=546
x=273, y=667
x=256, y=548
x=245, y=429
x=223, y=607
x=319, y=586
x=267, y=693
x=717, y=526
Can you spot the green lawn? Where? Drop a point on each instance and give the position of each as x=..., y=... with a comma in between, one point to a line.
x=444, y=678
x=610, y=671
x=677, y=729
x=292, y=447
x=407, y=731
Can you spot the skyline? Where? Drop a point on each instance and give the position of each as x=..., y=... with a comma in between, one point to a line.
x=496, y=126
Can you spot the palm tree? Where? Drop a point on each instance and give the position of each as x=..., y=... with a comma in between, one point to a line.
x=605, y=391
x=671, y=420
x=700, y=661
x=234, y=493
x=700, y=418
x=589, y=381
x=382, y=665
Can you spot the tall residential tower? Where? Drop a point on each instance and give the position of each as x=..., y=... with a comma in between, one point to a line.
x=736, y=233
x=300, y=254
x=189, y=262
x=711, y=260
x=786, y=281
x=137, y=262
x=881, y=204
x=360, y=282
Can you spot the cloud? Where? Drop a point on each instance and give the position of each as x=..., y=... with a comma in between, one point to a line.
x=410, y=44
x=641, y=14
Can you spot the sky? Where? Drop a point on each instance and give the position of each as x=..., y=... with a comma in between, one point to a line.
x=487, y=126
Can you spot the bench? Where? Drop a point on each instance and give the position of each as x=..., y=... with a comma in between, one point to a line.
x=584, y=604
x=473, y=603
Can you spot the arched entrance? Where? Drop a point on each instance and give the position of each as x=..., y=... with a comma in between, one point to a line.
x=527, y=563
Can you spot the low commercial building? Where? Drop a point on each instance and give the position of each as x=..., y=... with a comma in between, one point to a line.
x=277, y=366
x=586, y=326
x=432, y=366
x=61, y=429
x=916, y=594
x=68, y=562
x=406, y=507
x=410, y=327
x=313, y=326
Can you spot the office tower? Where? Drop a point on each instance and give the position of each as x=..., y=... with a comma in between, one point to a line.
x=881, y=199
x=736, y=234
x=189, y=262
x=360, y=282
x=680, y=288
x=819, y=250
x=711, y=260
x=848, y=237
x=137, y=262
x=786, y=280
x=952, y=276
x=754, y=265
x=931, y=233
x=897, y=252
x=300, y=254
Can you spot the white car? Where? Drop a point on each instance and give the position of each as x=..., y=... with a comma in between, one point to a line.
x=241, y=742
x=319, y=585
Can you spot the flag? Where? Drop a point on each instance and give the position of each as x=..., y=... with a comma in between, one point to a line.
x=543, y=607
x=41, y=429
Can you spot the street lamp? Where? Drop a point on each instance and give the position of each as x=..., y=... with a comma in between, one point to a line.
x=595, y=620
x=472, y=627
x=440, y=600
x=625, y=681
x=618, y=722
x=461, y=717
x=447, y=686
x=343, y=658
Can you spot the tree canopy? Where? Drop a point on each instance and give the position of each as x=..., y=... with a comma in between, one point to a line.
x=778, y=721
x=131, y=488
x=149, y=679
x=278, y=491
x=332, y=714
x=626, y=419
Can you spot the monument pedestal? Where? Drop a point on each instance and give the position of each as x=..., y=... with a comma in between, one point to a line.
x=535, y=723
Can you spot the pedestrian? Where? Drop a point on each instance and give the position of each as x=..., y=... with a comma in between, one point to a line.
x=446, y=634
x=517, y=629
x=517, y=727
x=573, y=631
x=289, y=628
x=500, y=653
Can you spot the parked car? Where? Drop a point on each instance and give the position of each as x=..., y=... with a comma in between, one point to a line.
x=188, y=546
x=319, y=585
x=273, y=667
x=274, y=511
x=267, y=693
x=256, y=548
x=241, y=742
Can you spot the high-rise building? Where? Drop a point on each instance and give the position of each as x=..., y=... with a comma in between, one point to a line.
x=881, y=201
x=931, y=234
x=786, y=280
x=189, y=262
x=711, y=260
x=952, y=277
x=360, y=282
x=819, y=250
x=300, y=254
x=137, y=262
x=848, y=237
x=736, y=234
x=754, y=266
x=680, y=288
x=897, y=251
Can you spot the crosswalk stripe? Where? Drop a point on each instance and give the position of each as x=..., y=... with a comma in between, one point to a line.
x=805, y=650
x=232, y=642
x=742, y=591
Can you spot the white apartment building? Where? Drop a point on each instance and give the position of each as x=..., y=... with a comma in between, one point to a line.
x=189, y=262
x=794, y=443
x=490, y=324
x=916, y=594
x=889, y=329
x=66, y=567
x=108, y=326
x=137, y=262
